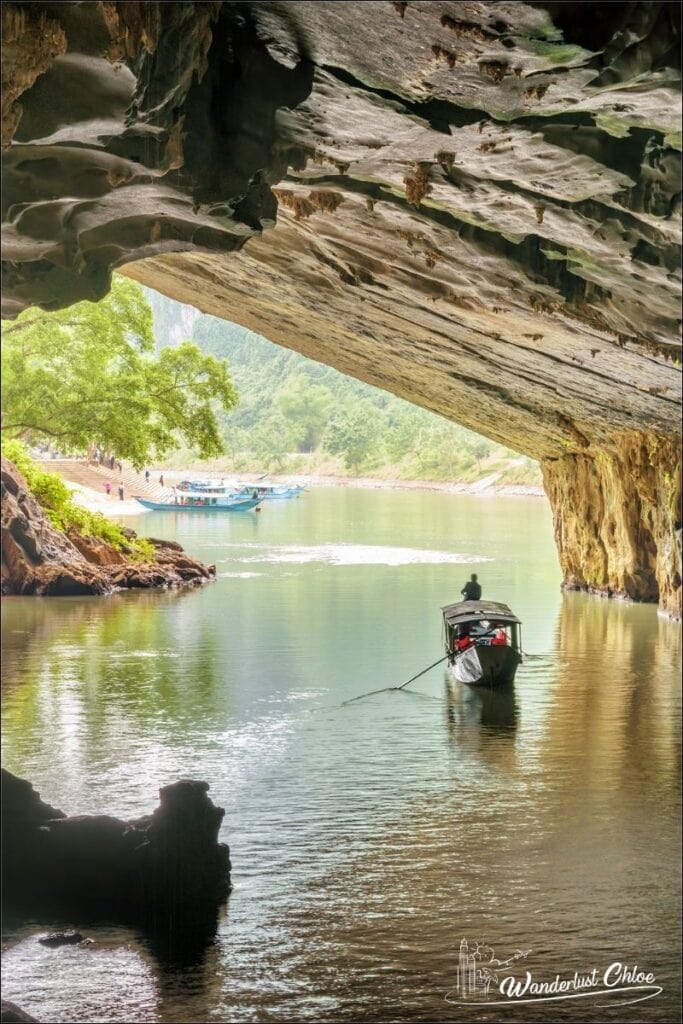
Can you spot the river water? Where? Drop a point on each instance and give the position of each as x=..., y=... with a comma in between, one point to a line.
x=367, y=841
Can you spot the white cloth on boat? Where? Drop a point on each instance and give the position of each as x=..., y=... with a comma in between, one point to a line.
x=467, y=667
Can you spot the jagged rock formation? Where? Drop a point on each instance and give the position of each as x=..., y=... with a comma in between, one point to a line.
x=617, y=519
x=37, y=559
x=166, y=871
x=474, y=205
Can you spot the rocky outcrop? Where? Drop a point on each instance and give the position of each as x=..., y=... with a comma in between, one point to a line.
x=10, y=1013
x=165, y=872
x=39, y=560
x=618, y=521
x=31, y=40
x=66, y=938
x=474, y=206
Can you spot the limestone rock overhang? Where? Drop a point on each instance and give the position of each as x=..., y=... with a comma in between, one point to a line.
x=475, y=205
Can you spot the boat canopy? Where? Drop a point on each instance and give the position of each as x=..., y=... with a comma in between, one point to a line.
x=209, y=494
x=256, y=486
x=476, y=611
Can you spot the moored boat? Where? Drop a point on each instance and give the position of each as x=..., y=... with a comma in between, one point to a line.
x=205, y=501
x=200, y=485
x=483, y=642
x=263, y=492
x=271, y=492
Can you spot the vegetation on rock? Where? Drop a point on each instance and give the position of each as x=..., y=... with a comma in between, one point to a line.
x=53, y=495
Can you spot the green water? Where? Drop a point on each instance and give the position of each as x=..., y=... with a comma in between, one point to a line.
x=366, y=840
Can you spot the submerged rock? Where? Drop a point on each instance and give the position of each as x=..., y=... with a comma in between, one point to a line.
x=56, y=939
x=10, y=1013
x=165, y=872
x=37, y=559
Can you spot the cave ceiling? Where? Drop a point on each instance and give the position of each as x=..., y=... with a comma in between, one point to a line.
x=473, y=205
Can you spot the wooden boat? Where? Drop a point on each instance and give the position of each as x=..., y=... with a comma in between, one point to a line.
x=483, y=642
x=206, y=501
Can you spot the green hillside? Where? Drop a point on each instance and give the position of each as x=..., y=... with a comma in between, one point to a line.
x=299, y=416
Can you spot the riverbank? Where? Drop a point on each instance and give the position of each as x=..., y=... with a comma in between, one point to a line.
x=486, y=486
x=55, y=549
x=107, y=505
x=94, y=501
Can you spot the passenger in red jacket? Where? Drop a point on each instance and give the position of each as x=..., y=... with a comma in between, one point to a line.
x=462, y=642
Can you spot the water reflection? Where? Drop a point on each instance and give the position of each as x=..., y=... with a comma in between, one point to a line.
x=495, y=709
x=613, y=709
x=366, y=840
x=482, y=724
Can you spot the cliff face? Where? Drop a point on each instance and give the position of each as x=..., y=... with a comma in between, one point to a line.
x=473, y=205
x=617, y=519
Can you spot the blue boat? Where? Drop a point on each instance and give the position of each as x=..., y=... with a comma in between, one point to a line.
x=202, y=485
x=271, y=492
x=201, y=502
x=264, y=492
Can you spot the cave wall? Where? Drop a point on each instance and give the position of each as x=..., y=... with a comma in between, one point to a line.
x=617, y=519
x=473, y=205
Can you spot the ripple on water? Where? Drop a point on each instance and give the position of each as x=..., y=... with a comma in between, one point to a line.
x=361, y=554
x=366, y=840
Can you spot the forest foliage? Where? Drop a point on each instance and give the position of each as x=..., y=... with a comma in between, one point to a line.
x=141, y=376
x=92, y=375
x=294, y=414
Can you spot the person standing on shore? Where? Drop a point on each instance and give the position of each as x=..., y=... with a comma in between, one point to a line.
x=161, y=479
x=121, y=492
x=146, y=476
x=107, y=488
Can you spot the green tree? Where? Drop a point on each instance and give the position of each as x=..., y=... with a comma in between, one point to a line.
x=480, y=448
x=271, y=442
x=307, y=408
x=404, y=431
x=353, y=434
x=89, y=374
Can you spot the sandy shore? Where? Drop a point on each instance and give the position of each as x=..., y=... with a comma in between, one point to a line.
x=111, y=506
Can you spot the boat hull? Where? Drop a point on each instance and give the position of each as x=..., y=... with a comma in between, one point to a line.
x=234, y=506
x=485, y=665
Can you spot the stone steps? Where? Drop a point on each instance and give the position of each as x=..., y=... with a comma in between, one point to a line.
x=94, y=476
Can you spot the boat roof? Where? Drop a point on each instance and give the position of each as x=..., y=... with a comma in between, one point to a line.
x=206, y=494
x=256, y=486
x=471, y=611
